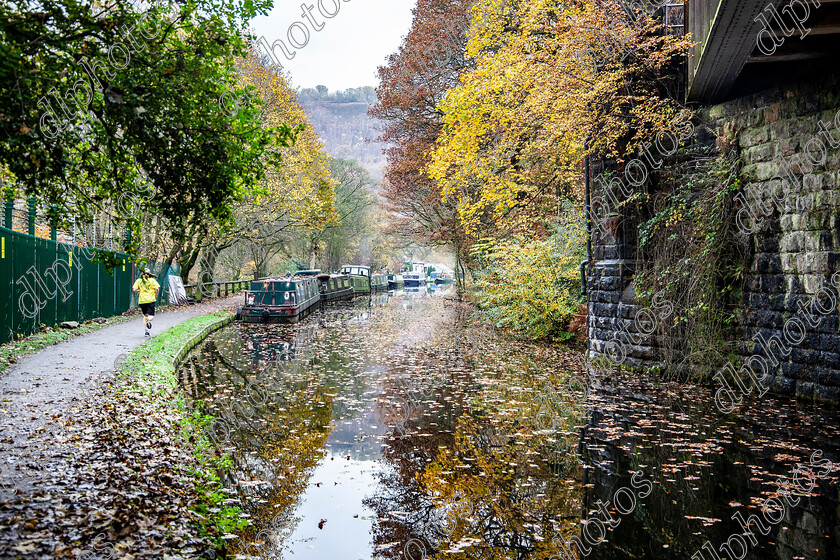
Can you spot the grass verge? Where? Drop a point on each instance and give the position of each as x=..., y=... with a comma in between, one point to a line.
x=148, y=378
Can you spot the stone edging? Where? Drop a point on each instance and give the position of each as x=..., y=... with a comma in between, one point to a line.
x=196, y=340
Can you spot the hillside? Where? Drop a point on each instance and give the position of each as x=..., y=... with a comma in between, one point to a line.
x=340, y=118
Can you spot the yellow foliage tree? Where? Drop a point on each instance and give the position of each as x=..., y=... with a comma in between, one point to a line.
x=297, y=195
x=548, y=75
x=299, y=189
x=533, y=285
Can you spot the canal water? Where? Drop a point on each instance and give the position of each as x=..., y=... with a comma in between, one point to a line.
x=399, y=426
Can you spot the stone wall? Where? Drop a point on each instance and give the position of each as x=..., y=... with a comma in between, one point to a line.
x=789, y=208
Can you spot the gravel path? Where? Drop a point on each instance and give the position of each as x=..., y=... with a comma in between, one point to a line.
x=39, y=394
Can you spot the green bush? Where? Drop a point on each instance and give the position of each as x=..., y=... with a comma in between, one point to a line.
x=532, y=286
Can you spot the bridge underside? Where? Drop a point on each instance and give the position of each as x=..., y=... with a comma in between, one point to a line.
x=744, y=46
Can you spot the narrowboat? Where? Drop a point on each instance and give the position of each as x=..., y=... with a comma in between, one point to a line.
x=414, y=278
x=359, y=277
x=378, y=282
x=444, y=278
x=395, y=281
x=335, y=286
x=280, y=300
x=363, y=281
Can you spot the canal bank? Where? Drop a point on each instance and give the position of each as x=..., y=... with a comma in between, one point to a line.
x=98, y=455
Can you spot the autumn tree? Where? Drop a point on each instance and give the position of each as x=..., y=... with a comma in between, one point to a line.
x=356, y=205
x=296, y=198
x=95, y=97
x=412, y=85
x=546, y=75
x=293, y=199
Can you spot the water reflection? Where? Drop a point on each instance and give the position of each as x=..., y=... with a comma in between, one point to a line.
x=708, y=468
x=391, y=426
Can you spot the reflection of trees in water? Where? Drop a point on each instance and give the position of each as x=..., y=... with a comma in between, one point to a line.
x=465, y=469
x=706, y=466
x=272, y=418
x=467, y=478
x=464, y=489
x=274, y=392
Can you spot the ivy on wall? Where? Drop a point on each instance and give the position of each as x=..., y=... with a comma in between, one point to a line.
x=691, y=254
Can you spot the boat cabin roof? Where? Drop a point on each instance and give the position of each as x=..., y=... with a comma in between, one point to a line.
x=281, y=284
x=356, y=269
x=311, y=272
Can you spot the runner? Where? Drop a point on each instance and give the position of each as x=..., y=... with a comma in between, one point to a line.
x=146, y=289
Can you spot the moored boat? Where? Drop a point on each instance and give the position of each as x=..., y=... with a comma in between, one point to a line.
x=414, y=278
x=335, y=286
x=444, y=278
x=395, y=281
x=280, y=300
x=359, y=276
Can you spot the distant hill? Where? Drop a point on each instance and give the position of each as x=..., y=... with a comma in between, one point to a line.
x=340, y=118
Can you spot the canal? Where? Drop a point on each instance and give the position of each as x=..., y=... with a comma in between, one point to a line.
x=398, y=426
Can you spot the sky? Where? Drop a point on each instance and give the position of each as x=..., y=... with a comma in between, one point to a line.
x=347, y=50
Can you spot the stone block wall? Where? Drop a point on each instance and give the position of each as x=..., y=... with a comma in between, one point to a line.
x=788, y=141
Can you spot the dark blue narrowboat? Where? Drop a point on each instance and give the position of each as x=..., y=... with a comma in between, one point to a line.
x=414, y=279
x=280, y=300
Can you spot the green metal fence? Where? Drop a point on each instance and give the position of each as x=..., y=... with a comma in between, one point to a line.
x=46, y=282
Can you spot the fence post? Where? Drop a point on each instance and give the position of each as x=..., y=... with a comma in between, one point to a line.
x=31, y=216
x=10, y=208
x=53, y=229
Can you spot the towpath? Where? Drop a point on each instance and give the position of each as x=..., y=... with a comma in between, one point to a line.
x=42, y=394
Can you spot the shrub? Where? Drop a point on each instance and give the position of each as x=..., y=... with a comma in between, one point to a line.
x=532, y=285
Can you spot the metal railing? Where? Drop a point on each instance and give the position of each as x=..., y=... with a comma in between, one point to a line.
x=675, y=18
x=26, y=216
x=216, y=289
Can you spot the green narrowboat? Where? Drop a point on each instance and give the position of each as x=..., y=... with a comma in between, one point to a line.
x=363, y=281
x=359, y=276
x=335, y=287
x=280, y=300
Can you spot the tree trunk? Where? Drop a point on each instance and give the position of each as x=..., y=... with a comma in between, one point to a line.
x=459, y=273
x=208, y=264
x=313, y=258
x=154, y=250
x=187, y=262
